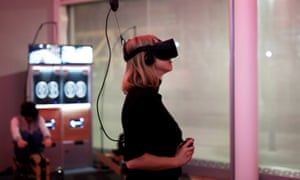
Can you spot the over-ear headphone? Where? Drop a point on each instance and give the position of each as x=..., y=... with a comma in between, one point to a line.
x=149, y=58
x=164, y=50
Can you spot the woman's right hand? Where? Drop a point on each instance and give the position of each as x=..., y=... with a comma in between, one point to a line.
x=21, y=143
x=185, y=151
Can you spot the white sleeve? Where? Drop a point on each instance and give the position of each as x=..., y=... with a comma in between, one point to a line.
x=44, y=129
x=14, y=128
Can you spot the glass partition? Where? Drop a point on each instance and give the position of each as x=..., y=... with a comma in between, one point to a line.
x=196, y=92
x=279, y=86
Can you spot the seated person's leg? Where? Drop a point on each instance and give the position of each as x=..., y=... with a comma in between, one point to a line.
x=22, y=154
x=35, y=164
x=36, y=142
x=40, y=166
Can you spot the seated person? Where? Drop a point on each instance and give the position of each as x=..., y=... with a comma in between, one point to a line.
x=29, y=133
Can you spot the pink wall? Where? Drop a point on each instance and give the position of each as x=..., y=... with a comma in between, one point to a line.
x=19, y=21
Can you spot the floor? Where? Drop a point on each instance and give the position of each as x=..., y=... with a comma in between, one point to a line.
x=89, y=173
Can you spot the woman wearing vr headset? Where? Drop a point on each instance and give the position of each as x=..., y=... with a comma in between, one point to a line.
x=154, y=147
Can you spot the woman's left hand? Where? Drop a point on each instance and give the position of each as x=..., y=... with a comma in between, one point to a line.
x=185, y=151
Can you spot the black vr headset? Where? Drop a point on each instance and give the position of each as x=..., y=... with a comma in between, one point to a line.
x=164, y=50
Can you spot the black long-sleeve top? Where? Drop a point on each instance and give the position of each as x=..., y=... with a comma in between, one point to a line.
x=149, y=128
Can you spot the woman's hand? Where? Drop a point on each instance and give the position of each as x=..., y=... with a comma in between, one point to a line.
x=185, y=151
x=21, y=143
x=47, y=142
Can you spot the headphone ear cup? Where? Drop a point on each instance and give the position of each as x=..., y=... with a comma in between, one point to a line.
x=149, y=59
x=125, y=54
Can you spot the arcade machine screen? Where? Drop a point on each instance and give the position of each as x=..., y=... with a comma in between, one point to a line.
x=75, y=85
x=46, y=85
x=60, y=73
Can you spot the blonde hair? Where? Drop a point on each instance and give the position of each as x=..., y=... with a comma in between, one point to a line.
x=137, y=72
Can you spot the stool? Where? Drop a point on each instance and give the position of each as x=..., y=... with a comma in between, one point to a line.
x=38, y=168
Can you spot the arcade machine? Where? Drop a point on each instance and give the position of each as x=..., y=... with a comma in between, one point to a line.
x=60, y=84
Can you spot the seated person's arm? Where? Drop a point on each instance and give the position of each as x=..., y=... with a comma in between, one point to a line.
x=15, y=132
x=46, y=133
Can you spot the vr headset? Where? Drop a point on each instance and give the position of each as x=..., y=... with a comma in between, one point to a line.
x=164, y=50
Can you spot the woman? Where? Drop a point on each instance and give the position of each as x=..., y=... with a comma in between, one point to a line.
x=154, y=147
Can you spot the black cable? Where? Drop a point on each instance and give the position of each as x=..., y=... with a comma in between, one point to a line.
x=40, y=28
x=33, y=42
x=121, y=36
x=124, y=32
x=101, y=91
x=104, y=80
